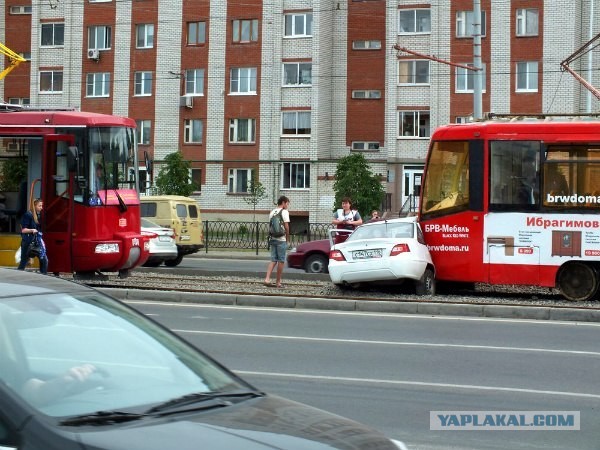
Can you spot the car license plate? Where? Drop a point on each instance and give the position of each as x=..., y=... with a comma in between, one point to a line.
x=367, y=254
x=164, y=238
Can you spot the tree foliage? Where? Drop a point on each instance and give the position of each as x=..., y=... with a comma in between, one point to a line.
x=174, y=177
x=354, y=179
x=256, y=192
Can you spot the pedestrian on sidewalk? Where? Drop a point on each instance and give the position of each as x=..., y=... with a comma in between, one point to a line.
x=279, y=236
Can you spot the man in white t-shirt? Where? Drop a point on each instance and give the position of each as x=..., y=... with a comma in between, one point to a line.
x=278, y=245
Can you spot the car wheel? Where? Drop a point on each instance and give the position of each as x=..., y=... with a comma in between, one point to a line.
x=174, y=262
x=152, y=263
x=316, y=264
x=426, y=285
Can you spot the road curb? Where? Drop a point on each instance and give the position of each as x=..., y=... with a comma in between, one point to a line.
x=379, y=306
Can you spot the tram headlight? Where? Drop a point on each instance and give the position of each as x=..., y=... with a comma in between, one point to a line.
x=107, y=248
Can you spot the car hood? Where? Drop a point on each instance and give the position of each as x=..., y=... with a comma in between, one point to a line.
x=265, y=423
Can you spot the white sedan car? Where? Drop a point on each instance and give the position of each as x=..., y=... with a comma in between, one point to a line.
x=383, y=251
x=162, y=243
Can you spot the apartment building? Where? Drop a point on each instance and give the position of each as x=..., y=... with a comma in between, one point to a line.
x=284, y=88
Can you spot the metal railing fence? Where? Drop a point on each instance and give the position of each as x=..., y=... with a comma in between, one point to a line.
x=255, y=235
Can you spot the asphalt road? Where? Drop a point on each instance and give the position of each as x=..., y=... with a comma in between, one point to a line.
x=390, y=371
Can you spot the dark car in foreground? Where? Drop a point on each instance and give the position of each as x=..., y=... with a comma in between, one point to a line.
x=80, y=370
x=311, y=256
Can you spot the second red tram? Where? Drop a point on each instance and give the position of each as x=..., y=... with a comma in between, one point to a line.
x=84, y=167
x=515, y=202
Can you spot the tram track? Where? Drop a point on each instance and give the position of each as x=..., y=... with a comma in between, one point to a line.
x=310, y=288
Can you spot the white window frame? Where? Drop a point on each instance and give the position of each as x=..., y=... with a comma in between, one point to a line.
x=416, y=131
x=19, y=101
x=193, y=130
x=54, y=78
x=293, y=29
x=366, y=94
x=531, y=76
x=298, y=176
x=299, y=68
x=242, y=131
x=144, y=35
x=288, y=117
x=244, y=30
x=194, y=82
x=366, y=45
x=53, y=30
x=464, y=24
x=99, y=37
x=527, y=18
x=411, y=73
x=464, y=79
x=142, y=84
x=366, y=146
x=144, y=131
x=197, y=29
x=97, y=84
x=19, y=10
x=243, y=81
x=232, y=181
x=417, y=14
x=463, y=119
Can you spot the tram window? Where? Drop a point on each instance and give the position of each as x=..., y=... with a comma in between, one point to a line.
x=514, y=174
x=447, y=181
x=571, y=177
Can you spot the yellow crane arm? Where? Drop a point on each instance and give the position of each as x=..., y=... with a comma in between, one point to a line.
x=15, y=60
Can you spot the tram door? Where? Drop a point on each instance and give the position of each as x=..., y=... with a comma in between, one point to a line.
x=57, y=194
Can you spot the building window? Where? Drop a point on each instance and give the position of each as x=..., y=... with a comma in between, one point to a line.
x=98, y=85
x=366, y=45
x=527, y=22
x=143, y=83
x=297, y=74
x=242, y=131
x=99, y=37
x=239, y=180
x=295, y=176
x=365, y=146
x=366, y=94
x=413, y=72
x=243, y=81
x=196, y=179
x=144, y=35
x=463, y=119
x=196, y=33
x=51, y=81
x=527, y=76
x=465, y=79
x=25, y=55
x=194, y=82
x=414, y=124
x=143, y=131
x=21, y=9
x=298, y=25
x=192, y=131
x=245, y=30
x=414, y=21
x=18, y=101
x=53, y=34
x=296, y=123
x=464, y=24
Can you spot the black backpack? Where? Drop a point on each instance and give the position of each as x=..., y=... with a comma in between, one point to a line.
x=276, y=227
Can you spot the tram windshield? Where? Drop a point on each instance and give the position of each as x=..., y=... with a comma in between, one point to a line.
x=112, y=153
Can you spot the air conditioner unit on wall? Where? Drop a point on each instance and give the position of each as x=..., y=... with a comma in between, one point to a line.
x=186, y=101
x=94, y=54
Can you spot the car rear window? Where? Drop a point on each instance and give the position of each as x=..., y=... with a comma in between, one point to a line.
x=181, y=210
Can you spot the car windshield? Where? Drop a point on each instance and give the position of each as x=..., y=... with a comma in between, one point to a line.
x=149, y=224
x=383, y=229
x=139, y=363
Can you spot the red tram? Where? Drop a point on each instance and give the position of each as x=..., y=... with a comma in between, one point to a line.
x=516, y=201
x=84, y=167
